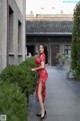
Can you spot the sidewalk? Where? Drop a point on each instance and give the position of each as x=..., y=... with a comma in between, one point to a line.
x=62, y=101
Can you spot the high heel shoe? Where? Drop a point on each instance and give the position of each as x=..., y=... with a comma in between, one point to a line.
x=38, y=115
x=44, y=115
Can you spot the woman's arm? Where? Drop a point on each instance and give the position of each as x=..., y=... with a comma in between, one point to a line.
x=40, y=67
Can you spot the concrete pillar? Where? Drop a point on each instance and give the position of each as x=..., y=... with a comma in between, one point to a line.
x=15, y=40
x=3, y=34
x=24, y=31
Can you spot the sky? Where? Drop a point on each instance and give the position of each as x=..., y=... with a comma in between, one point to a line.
x=50, y=6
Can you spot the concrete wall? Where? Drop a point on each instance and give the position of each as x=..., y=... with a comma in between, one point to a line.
x=24, y=29
x=3, y=34
x=21, y=4
x=16, y=57
x=9, y=36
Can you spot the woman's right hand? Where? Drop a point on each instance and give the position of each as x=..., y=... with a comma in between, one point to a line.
x=33, y=70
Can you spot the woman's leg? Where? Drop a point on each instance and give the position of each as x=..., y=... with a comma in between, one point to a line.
x=40, y=98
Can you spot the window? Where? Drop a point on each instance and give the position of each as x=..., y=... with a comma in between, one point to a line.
x=19, y=37
x=19, y=42
x=10, y=41
x=67, y=50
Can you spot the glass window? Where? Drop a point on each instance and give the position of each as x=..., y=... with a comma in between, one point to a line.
x=67, y=50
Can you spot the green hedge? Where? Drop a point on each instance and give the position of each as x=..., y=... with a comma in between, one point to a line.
x=12, y=102
x=75, y=50
x=21, y=75
x=16, y=82
x=27, y=65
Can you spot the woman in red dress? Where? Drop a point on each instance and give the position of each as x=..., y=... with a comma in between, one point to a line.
x=42, y=77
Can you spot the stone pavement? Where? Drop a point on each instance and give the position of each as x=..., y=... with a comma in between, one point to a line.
x=62, y=99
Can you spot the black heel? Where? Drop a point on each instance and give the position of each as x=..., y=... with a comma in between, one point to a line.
x=44, y=115
x=38, y=115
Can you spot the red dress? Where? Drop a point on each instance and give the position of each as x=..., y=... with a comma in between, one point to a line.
x=42, y=76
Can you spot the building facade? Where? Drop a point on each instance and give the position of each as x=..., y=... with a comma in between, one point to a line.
x=12, y=32
x=54, y=31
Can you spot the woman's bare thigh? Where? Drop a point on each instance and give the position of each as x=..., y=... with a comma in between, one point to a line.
x=40, y=88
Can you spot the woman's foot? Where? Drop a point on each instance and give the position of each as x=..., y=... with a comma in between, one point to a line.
x=43, y=115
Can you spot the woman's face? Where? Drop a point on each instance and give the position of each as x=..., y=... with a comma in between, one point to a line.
x=41, y=48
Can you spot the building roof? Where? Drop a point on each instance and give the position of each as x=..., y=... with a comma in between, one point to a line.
x=49, y=17
x=53, y=25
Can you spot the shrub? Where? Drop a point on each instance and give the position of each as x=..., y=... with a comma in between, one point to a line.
x=21, y=75
x=75, y=50
x=12, y=102
x=29, y=63
x=15, y=80
x=13, y=74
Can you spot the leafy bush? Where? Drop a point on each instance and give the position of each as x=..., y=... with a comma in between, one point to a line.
x=12, y=102
x=15, y=80
x=21, y=75
x=13, y=74
x=29, y=63
x=75, y=50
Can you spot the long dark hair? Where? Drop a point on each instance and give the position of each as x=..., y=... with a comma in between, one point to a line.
x=45, y=52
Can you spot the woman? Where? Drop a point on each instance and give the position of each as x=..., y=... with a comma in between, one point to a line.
x=42, y=77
